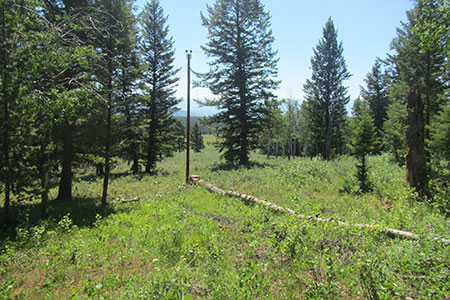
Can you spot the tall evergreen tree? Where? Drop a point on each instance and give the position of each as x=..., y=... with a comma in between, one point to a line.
x=70, y=80
x=420, y=68
x=363, y=140
x=128, y=101
x=159, y=79
x=292, y=116
x=180, y=133
x=305, y=125
x=16, y=18
x=376, y=95
x=326, y=94
x=394, y=128
x=61, y=81
x=242, y=72
x=197, y=138
x=116, y=21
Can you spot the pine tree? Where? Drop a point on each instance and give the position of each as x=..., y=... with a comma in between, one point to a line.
x=394, y=128
x=61, y=85
x=15, y=53
x=242, y=74
x=128, y=102
x=376, y=95
x=363, y=141
x=420, y=68
x=73, y=79
x=116, y=21
x=292, y=115
x=197, y=138
x=305, y=125
x=160, y=81
x=326, y=93
x=180, y=133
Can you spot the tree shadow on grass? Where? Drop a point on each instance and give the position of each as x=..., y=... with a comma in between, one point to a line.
x=82, y=212
x=229, y=167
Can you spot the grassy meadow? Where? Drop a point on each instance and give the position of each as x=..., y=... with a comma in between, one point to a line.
x=182, y=242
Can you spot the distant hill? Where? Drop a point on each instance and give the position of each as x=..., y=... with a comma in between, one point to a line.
x=196, y=111
x=203, y=128
x=180, y=113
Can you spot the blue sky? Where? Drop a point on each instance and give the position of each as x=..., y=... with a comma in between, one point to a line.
x=365, y=27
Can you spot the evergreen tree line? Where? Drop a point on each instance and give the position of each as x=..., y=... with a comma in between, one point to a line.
x=82, y=83
x=403, y=108
x=87, y=81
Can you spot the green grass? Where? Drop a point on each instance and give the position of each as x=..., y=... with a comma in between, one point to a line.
x=184, y=242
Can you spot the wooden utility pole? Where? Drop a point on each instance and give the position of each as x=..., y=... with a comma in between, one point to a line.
x=188, y=125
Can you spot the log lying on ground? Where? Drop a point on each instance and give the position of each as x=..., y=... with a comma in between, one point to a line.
x=130, y=200
x=195, y=179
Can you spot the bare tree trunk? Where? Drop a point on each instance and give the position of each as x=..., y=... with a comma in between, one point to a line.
x=416, y=166
x=65, y=183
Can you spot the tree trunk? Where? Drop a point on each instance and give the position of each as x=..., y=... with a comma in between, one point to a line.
x=328, y=133
x=362, y=174
x=135, y=167
x=44, y=169
x=108, y=137
x=65, y=183
x=99, y=169
x=107, y=156
x=6, y=150
x=151, y=150
x=289, y=151
x=243, y=157
x=306, y=147
x=416, y=167
x=325, y=151
x=5, y=125
x=294, y=148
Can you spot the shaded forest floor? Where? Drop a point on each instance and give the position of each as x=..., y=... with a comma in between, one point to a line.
x=184, y=242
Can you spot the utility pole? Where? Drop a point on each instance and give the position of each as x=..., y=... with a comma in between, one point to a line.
x=188, y=126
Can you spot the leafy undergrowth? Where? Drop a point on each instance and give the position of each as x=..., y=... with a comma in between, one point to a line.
x=180, y=242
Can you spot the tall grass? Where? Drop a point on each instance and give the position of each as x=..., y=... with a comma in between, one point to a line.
x=183, y=242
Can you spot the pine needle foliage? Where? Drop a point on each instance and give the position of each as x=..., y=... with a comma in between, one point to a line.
x=159, y=81
x=242, y=73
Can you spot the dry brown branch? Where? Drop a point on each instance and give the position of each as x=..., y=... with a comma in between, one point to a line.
x=248, y=198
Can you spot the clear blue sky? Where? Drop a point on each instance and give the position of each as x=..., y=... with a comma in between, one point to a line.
x=365, y=27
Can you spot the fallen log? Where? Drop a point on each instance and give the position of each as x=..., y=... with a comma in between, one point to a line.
x=130, y=200
x=248, y=198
